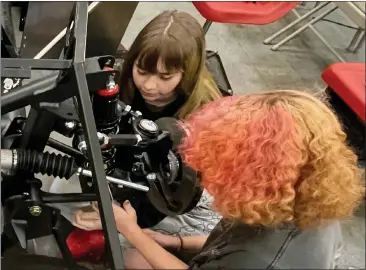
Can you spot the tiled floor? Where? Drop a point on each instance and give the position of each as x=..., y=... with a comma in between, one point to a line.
x=251, y=67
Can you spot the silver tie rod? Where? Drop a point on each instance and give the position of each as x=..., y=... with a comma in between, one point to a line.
x=117, y=181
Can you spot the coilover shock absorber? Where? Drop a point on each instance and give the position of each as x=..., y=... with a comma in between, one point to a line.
x=107, y=116
x=105, y=107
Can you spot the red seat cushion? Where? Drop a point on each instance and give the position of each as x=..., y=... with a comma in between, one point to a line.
x=348, y=81
x=244, y=12
x=86, y=245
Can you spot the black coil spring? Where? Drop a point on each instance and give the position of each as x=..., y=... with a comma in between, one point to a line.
x=46, y=163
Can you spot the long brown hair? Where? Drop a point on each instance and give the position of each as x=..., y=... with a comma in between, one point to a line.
x=177, y=39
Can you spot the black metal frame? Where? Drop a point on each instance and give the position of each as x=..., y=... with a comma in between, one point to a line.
x=21, y=68
x=54, y=89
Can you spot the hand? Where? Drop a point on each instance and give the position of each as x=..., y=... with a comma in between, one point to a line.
x=125, y=216
x=87, y=220
x=166, y=241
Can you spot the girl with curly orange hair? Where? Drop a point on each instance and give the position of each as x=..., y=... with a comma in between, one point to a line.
x=282, y=176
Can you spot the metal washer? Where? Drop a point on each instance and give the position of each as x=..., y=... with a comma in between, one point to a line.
x=148, y=125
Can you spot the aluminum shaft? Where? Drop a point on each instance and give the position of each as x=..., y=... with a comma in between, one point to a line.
x=116, y=181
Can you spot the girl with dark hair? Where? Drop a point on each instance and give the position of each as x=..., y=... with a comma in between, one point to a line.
x=164, y=75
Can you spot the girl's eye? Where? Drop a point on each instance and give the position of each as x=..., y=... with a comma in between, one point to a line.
x=141, y=72
x=166, y=78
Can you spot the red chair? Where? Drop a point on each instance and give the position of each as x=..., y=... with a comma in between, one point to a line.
x=257, y=13
x=347, y=80
x=346, y=89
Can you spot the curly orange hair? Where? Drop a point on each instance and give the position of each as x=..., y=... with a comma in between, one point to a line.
x=273, y=158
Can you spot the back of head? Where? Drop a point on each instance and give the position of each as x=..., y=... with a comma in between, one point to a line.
x=273, y=158
x=177, y=40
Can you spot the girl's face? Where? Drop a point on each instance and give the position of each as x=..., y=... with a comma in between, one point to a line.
x=156, y=88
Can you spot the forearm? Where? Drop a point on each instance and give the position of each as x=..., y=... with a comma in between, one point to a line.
x=157, y=256
x=193, y=244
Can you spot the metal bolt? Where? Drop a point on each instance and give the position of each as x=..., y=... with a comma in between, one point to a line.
x=8, y=84
x=100, y=135
x=70, y=124
x=151, y=176
x=111, y=83
x=82, y=146
x=35, y=210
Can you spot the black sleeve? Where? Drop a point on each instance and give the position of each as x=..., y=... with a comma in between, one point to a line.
x=235, y=260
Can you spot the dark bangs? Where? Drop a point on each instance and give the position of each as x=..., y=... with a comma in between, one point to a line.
x=166, y=48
